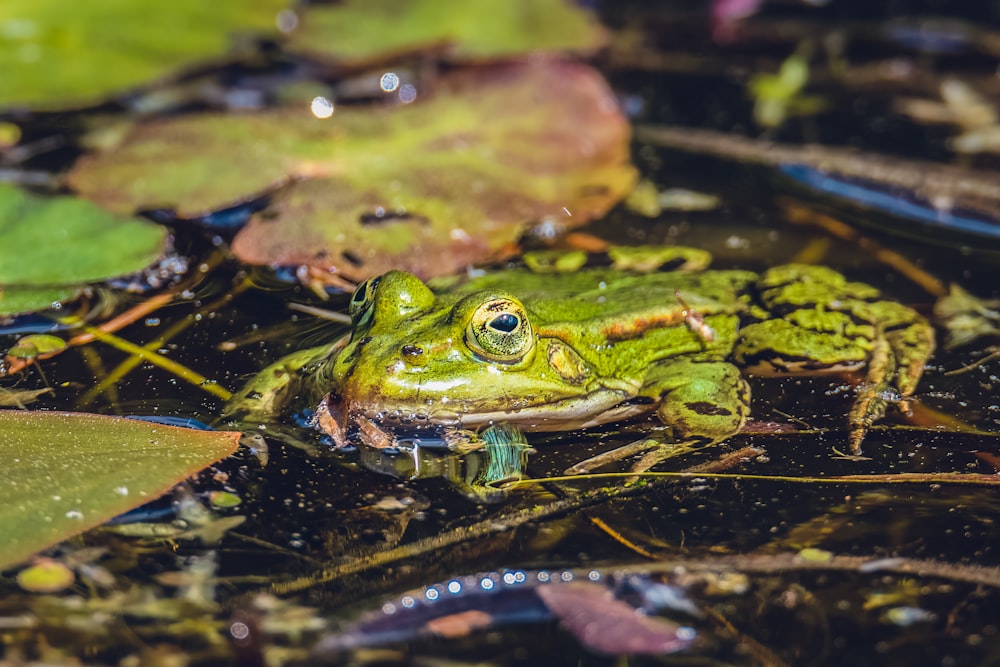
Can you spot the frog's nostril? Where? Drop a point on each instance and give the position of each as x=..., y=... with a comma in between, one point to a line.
x=412, y=351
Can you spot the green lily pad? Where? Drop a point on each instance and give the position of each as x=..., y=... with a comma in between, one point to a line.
x=362, y=31
x=56, y=54
x=16, y=300
x=67, y=472
x=47, y=576
x=36, y=346
x=52, y=247
x=429, y=187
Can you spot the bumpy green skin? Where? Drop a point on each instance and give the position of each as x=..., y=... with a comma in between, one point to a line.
x=603, y=346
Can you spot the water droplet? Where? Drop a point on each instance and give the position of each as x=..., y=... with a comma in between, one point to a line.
x=407, y=94
x=286, y=20
x=321, y=107
x=389, y=82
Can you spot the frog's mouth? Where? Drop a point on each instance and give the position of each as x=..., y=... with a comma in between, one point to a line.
x=338, y=417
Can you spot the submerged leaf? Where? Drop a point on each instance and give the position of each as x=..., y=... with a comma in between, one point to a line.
x=67, y=472
x=53, y=246
x=359, y=31
x=429, y=187
x=18, y=398
x=56, y=54
x=609, y=626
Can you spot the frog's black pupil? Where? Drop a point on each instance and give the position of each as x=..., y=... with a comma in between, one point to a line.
x=505, y=323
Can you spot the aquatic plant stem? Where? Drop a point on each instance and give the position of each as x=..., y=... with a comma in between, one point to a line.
x=174, y=330
x=798, y=214
x=160, y=361
x=952, y=478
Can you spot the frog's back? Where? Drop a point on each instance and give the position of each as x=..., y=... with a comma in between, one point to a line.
x=600, y=292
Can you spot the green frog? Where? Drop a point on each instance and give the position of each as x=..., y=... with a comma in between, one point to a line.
x=558, y=352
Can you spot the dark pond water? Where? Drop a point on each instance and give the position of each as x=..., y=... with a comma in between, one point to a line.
x=326, y=537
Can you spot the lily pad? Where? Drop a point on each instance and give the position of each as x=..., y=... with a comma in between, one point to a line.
x=56, y=54
x=16, y=300
x=360, y=31
x=67, y=472
x=54, y=246
x=429, y=187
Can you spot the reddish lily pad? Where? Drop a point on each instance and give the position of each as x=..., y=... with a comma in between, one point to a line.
x=429, y=187
x=67, y=472
x=362, y=31
x=56, y=54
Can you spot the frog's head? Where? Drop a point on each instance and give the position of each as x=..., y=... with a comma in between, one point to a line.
x=414, y=355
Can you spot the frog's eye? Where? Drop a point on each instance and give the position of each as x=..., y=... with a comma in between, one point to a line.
x=499, y=331
x=361, y=301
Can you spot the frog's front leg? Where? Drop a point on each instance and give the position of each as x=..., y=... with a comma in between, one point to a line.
x=701, y=402
x=271, y=390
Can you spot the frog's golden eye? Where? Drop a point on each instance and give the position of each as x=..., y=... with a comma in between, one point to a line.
x=361, y=301
x=499, y=331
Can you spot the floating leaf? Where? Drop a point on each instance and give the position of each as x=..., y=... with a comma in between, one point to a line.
x=14, y=300
x=52, y=247
x=46, y=576
x=428, y=187
x=67, y=472
x=36, y=346
x=359, y=31
x=56, y=54
x=224, y=500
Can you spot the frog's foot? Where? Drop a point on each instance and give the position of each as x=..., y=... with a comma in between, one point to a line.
x=874, y=395
x=828, y=324
x=895, y=364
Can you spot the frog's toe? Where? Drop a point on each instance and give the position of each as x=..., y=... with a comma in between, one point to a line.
x=912, y=345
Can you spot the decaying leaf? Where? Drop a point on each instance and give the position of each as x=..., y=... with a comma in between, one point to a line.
x=429, y=187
